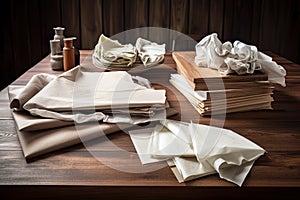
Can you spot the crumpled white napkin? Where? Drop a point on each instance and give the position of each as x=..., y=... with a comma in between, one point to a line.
x=229, y=153
x=73, y=96
x=110, y=52
x=239, y=58
x=215, y=150
x=149, y=52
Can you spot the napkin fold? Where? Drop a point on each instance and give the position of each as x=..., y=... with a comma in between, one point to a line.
x=166, y=144
x=35, y=84
x=237, y=58
x=229, y=153
x=187, y=169
x=40, y=135
x=198, y=150
x=149, y=52
x=141, y=140
x=110, y=52
x=79, y=96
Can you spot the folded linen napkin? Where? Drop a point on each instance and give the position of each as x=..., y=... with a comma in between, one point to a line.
x=80, y=96
x=149, y=52
x=110, y=52
x=187, y=169
x=41, y=135
x=239, y=58
x=35, y=84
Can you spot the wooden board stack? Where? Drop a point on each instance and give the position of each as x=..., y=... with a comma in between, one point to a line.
x=213, y=93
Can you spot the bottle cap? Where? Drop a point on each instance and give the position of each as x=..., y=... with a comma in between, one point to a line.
x=68, y=42
x=59, y=28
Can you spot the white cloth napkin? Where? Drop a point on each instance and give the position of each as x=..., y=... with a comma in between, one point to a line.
x=229, y=153
x=198, y=150
x=159, y=143
x=165, y=143
x=149, y=52
x=239, y=58
x=83, y=96
x=110, y=52
x=141, y=139
x=186, y=169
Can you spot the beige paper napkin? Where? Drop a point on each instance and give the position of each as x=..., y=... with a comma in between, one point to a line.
x=110, y=52
x=149, y=52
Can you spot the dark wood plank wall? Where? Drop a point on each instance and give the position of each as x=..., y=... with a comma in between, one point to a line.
x=27, y=26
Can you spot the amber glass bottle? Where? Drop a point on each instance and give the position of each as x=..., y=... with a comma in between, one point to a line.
x=69, y=54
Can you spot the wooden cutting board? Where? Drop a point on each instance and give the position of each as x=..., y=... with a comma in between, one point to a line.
x=203, y=78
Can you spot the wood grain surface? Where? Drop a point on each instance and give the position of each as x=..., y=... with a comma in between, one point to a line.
x=27, y=26
x=74, y=173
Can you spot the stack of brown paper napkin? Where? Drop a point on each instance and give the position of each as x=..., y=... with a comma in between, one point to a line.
x=211, y=92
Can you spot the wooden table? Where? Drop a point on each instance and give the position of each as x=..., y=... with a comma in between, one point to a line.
x=74, y=173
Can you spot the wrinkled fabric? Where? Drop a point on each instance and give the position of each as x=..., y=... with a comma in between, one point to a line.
x=168, y=144
x=238, y=58
x=229, y=153
x=39, y=135
x=35, y=84
x=198, y=150
x=206, y=54
x=149, y=52
x=80, y=97
x=110, y=52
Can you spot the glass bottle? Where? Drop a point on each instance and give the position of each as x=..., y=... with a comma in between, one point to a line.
x=59, y=35
x=69, y=54
x=56, y=57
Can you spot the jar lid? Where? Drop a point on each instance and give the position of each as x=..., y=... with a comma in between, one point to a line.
x=59, y=28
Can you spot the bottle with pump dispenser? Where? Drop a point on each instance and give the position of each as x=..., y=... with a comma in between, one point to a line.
x=69, y=53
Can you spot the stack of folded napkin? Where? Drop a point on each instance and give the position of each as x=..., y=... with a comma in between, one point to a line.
x=113, y=96
x=112, y=55
x=196, y=150
x=50, y=110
